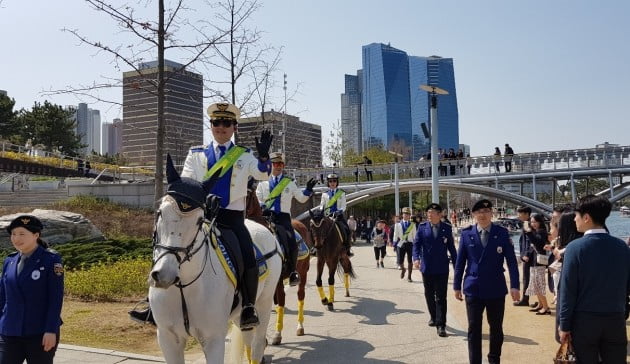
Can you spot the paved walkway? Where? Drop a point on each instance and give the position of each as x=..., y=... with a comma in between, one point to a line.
x=384, y=321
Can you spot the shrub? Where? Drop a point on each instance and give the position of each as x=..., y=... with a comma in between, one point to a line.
x=77, y=255
x=109, y=281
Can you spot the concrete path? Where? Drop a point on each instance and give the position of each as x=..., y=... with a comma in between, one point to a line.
x=384, y=321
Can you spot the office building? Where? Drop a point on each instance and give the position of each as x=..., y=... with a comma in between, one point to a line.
x=351, y=113
x=183, y=113
x=112, y=137
x=88, y=128
x=393, y=108
x=303, y=141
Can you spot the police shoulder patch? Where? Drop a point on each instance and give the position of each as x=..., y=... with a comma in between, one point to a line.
x=58, y=269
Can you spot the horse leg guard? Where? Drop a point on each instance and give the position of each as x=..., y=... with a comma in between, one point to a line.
x=322, y=295
x=331, y=293
x=277, y=337
x=249, y=317
x=346, y=283
x=300, y=326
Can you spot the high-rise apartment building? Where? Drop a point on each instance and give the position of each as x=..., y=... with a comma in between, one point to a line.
x=183, y=112
x=303, y=141
x=112, y=137
x=393, y=107
x=88, y=123
x=351, y=113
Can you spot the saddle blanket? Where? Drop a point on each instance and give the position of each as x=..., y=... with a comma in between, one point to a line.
x=303, y=252
x=228, y=264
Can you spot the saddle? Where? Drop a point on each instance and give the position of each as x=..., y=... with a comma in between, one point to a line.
x=228, y=251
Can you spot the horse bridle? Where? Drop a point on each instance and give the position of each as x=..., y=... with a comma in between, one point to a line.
x=312, y=223
x=188, y=254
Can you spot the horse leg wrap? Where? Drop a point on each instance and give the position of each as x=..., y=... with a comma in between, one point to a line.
x=346, y=280
x=248, y=353
x=279, y=318
x=301, y=311
x=331, y=294
x=322, y=295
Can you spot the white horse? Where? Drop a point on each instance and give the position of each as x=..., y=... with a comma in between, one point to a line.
x=190, y=293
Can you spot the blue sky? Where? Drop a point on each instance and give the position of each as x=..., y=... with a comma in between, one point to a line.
x=540, y=75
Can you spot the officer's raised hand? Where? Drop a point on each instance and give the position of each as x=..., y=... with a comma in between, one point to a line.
x=264, y=144
x=310, y=184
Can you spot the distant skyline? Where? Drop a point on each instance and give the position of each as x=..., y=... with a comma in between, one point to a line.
x=539, y=75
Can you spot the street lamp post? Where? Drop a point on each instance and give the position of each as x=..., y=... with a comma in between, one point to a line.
x=284, y=118
x=434, y=91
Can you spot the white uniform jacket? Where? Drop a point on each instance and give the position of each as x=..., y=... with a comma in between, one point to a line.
x=340, y=204
x=290, y=192
x=196, y=166
x=399, y=232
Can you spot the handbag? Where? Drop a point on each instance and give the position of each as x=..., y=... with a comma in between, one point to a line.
x=542, y=259
x=565, y=354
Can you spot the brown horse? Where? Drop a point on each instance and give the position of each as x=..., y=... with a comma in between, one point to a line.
x=327, y=239
x=254, y=212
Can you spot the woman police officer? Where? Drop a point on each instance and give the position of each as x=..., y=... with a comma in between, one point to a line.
x=31, y=296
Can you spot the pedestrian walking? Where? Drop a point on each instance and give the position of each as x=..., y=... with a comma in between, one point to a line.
x=594, y=287
x=483, y=248
x=508, y=155
x=367, y=165
x=404, y=234
x=497, y=160
x=433, y=248
x=379, y=241
x=31, y=296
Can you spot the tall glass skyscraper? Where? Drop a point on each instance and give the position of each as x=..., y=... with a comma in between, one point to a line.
x=351, y=113
x=393, y=107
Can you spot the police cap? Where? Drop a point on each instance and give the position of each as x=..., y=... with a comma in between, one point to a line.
x=223, y=110
x=277, y=157
x=29, y=222
x=332, y=176
x=482, y=204
x=434, y=206
x=406, y=210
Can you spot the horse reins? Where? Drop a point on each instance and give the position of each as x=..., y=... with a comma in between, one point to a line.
x=188, y=254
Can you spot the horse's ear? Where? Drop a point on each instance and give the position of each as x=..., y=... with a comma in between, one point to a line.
x=171, y=172
x=210, y=182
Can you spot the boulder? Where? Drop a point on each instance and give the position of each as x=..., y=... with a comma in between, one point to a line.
x=59, y=227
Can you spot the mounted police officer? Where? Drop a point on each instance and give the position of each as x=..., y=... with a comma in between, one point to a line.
x=431, y=249
x=334, y=203
x=483, y=248
x=31, y=296
x=275, y=197
x=236, y=164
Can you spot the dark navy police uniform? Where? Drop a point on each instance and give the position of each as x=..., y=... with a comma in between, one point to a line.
x=434, y=255
x=31, y=306
x=484, y=285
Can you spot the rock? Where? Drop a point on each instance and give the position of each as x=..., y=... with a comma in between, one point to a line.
x=59, y=227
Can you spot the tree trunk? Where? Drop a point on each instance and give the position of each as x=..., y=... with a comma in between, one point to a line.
x=159, y=142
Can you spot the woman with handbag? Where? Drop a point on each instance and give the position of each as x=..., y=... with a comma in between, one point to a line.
x=537, y=234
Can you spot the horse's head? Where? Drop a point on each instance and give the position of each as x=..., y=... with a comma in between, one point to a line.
x=178, y=223
x=320, y=227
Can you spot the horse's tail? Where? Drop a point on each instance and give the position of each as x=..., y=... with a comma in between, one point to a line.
x=236, y=346
x=341, y=270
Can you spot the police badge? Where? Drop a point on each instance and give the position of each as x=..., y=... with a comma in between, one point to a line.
x=58, y=269
x=499, y=250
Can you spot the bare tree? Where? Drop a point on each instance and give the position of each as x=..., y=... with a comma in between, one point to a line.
x=147, y=38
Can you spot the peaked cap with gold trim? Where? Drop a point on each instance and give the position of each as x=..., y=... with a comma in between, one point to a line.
x=223, y=110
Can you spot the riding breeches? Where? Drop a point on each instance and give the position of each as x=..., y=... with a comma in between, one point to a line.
x=235, y=220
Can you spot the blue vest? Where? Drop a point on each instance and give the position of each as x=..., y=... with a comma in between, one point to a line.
x=222, y=187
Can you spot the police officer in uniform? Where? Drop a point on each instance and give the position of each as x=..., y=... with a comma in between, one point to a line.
x=31, y=296
x=334, y=203
x=404, y=233
x=431, y=249
x=232, y=189
x=483, y=247
x=275, y=197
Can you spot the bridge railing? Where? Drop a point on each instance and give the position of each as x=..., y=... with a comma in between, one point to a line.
x=570, y=159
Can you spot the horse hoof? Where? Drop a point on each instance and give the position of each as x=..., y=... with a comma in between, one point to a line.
x=324, y=301
x=347, y=294
x=277, y=339
x=330, y=307
x=300, y=332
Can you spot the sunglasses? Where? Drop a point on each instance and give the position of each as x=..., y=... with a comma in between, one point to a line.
x=226, y=123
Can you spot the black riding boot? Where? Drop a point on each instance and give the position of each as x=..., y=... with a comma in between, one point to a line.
x=143, y=316
x=346, y=245
x=249, y=317
x=294, y=277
